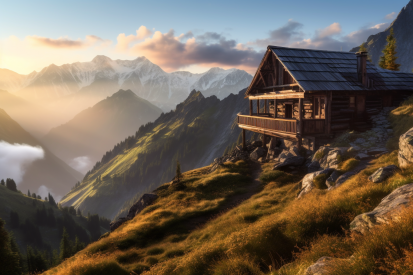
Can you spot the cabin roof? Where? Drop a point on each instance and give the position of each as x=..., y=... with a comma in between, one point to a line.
x=318, y=70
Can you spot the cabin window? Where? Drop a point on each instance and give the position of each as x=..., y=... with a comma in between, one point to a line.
x=319, y=107
x=288, y=111
x=352, y=102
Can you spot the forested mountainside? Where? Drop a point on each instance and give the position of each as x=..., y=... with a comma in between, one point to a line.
x=196, y=132
x=93, y=131
x=49, y=171
x=404, y=37
x=37, y=226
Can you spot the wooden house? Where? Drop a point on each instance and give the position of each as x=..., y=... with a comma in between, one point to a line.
x=311, y=95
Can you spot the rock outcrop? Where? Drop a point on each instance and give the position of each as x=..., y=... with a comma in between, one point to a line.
x=327, y=157
x=144, y=201
x=387, y=210
x=383, y=173
x=308, y=181
x=324, y=266
x=406, y=149
x=257, y=153
x=289, y=157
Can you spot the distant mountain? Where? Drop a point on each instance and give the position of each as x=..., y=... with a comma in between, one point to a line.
x=402, y=27
x=196, y=132
x=94, y=131
x=71, y=88
x=51, y=172
x=32, y=117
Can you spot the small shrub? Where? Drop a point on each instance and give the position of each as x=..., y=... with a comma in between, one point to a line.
x=320, y=181
x=140, y=268
x=155, y=251
x=319, y=155
x=177, y=238
x=348, y=165
x=174, y=253
x=128, y=257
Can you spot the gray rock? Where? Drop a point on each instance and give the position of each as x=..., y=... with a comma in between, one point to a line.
x=388, y=209
x=375, y=151
x=324, y=265
x=308, y=182
x=344, y=177
x=289, y=161
x=362, y=156
x=330, y=158
x=406, y=149
x=331, y=181
x=383, y=173
x=257, y=153
x=360, y=140
x=143, y=202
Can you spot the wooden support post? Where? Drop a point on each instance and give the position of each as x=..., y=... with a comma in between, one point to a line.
x=265, y=106
x=275, y=108
x=250, y=107
x=264, y=137
x=258, y=106
x=300, y=116
x=243, y=140
x=328, y=113
x=299, y=141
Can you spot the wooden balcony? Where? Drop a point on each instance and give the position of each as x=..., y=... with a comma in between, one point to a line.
x=267, y=125
x=287, y=128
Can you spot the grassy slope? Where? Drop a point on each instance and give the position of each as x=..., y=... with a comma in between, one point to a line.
x=23, y=205
x=96, y=129
x=50, y=171
x=268, y=231
x=184, y=135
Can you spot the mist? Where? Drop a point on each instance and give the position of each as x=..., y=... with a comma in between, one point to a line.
x=44, y=191
x=15, y=158
x=81, y=164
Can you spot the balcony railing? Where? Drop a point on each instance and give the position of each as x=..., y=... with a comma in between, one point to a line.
x=273, y=124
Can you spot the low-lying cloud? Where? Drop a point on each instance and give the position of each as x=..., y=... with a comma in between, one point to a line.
x=81, y=164
x=15, y=158
x=44, y=191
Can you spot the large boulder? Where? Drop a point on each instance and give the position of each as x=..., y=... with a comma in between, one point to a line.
x=344, y=177
x=406, y=149
x=308, y=182
x=289, y=157
x=143, y=202
x=331, y=181
x=327, y=157
x=383, y=173
x=257, y=153
x=388, y=209
x=324, y=265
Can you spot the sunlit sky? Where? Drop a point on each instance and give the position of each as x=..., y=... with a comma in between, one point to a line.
x=181, y=35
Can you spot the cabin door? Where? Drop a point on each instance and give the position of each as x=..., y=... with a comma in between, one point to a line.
x=319, y=107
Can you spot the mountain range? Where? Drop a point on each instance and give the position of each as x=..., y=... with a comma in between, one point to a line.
x=85, y=138
x=196, y=132
x=404, y=38
x=71, y=88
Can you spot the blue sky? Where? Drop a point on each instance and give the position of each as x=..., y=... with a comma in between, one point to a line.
x=31, y=30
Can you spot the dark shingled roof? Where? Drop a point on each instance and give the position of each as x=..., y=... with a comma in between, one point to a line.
x=317, y=70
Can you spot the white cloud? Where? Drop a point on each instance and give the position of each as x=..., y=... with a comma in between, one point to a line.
x=15, y=158
x=81, y=164
x=390, y=16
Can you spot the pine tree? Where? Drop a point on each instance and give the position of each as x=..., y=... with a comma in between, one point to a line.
x=9, y=260
x=28, y=193
x=65, y=247
x=78, y=246
x=52, y=201
x=15, y=249
x=364, y=49
x=10, y=184
x=388, y=60
x=2, y=182
x=178, y=175
x=14, y=220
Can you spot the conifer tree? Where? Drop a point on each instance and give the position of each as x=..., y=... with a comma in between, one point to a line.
x=52, y=201
x=388, y=60
x=10, y=184
x=65, y=246
x=364, y=49
x=2, y=182
x=9, y=260
x=28, y=193
x=15, y=249
x=14, y=220
x=178, y=175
